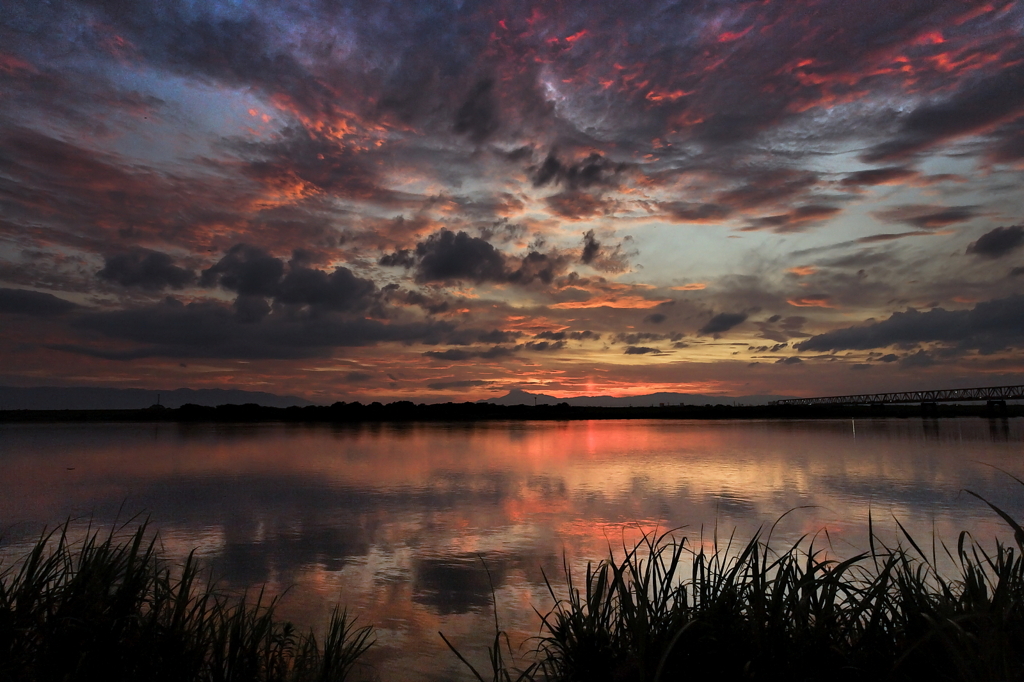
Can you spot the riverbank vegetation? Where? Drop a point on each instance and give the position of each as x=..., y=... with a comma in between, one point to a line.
x=108, y=608
x=667, y=609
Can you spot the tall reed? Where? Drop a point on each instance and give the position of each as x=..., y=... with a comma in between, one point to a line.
x=670, y=611
x=108, y=608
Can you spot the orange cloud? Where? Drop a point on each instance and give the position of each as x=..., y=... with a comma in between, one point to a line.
x=802, y=270
x=611, y=301
x=730, y=36
x=812, y=301
x=693, y=286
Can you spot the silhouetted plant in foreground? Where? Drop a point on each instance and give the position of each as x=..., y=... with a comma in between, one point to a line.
x=669, y=611
x=108, y=608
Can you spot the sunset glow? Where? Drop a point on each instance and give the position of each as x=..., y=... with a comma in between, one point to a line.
x=431, y=202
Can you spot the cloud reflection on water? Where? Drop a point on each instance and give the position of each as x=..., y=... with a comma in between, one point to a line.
x=394, y=519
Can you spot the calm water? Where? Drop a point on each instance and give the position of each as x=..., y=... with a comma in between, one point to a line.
x=393, y=519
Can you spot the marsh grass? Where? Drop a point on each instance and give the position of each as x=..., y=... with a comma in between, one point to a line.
x=667, y=611
x=108, y=608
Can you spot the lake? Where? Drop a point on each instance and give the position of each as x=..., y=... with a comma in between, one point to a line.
x=398, y=520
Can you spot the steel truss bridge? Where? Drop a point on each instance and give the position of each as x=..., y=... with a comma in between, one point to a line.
x=992, y=394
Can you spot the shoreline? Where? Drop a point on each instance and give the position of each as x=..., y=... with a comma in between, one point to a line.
x=349, y=413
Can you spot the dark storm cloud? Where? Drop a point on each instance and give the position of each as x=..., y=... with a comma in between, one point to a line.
x=575, y=336
x=655, y=318
x=460, y=355
x=972, y=109
x=452, y=354
x=988, y=327
x=591, y=171
x=246, y=270
x=892, y=236
x=542, y=346
x=604, y=259
x=404, y=258
x=34, y=303
x=636, y=338
x=879, y=176
x=795, y=220
x=478, y=116
x=919, y=359
x=998, y=242
x=499, y=336
x=255, y=275
x=641, y=350
x=207, y=329
x=928, y=217
x=150, y=270
x=340, y=290
x=591, y=248
x=538, y=266
x=694, y=212
x=448, y=256
x=722, y=323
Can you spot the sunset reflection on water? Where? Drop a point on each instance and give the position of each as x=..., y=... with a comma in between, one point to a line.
x=397, y=521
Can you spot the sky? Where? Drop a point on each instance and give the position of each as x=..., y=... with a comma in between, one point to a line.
x=397, y=200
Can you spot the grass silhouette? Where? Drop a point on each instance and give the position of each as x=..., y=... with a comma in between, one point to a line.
x=108, y=608
x=669, y=611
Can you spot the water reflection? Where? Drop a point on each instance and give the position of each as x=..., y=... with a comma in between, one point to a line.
x=400, y=521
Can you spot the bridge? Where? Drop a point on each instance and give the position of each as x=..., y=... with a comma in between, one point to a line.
x=992, y=394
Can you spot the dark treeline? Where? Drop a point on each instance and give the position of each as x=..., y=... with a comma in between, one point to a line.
x=406, y=411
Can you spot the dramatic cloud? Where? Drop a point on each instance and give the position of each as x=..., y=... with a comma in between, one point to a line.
x=448, y=256
x=34, y=303
x=206, y=329
x=246, y=270
x=641, y=350
x=998, y=242
x=890, y=175
x=339, y=290
x=462, y=197
x=721, y=323
x=478, y=116
x=593, y=170
x=970, y=110
x=990, y=326
x=151, y=270
x=928, y=217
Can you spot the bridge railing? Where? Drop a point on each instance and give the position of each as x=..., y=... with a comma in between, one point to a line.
x=947, y=395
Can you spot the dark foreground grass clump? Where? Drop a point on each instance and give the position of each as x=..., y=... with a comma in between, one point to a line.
x=108, y=608
x=670, y=611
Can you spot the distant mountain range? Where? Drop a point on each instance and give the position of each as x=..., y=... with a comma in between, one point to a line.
x=95, y=398
x=519, y=397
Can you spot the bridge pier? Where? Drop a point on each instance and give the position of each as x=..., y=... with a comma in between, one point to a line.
x=996, y=407
x=929, y=409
